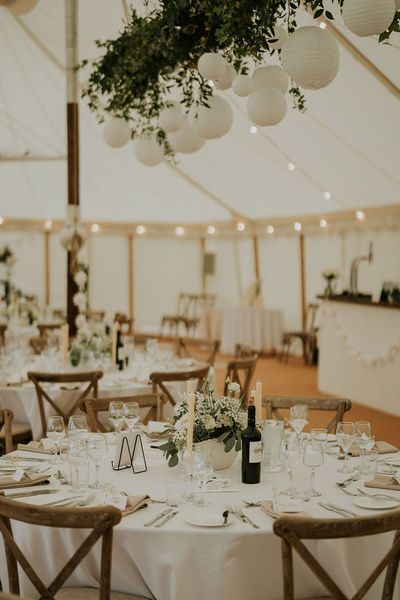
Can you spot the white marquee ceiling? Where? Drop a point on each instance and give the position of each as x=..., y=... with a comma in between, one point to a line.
x=347, y=142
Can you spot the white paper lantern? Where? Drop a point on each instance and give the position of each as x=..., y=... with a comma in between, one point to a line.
x=242, y=85
x=147, y=151
x=280, y=35
x=23, y=7
x=271, y=75
x=171, y=118
x=214, y=122
x=186, y=139
x=368, y=17
x=116, y=132
x=73, y=237
x=211, y=65
x=225, y=82
x=311, y=57
x=266, y=106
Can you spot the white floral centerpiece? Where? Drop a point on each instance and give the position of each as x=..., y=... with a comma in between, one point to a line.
x=219, y=419
x=92, y=340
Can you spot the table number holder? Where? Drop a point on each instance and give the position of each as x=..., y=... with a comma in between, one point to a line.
x=125, y=445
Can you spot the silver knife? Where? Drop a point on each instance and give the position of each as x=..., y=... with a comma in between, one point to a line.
x=345, y=510
x=247, y=519
x=338, y=511
x=33, y=493
x=165, y=519
x=159, y=516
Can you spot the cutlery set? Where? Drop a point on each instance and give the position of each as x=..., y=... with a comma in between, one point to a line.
x=161, y=518
x=344, y=512
x=239, y=514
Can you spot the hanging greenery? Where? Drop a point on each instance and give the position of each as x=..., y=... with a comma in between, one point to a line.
x=157, y=54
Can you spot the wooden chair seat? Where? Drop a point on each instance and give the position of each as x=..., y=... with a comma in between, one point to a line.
x=86, y=593
x=17, y=430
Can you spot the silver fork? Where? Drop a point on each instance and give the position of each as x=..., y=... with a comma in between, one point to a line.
x=362, y=493
x=240, y=514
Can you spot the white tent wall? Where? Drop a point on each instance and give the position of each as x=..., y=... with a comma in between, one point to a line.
x=163, y=267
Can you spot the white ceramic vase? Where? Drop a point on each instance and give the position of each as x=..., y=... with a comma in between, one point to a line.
x=215, y=454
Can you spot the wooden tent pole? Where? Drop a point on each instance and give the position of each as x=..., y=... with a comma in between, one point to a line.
x=256, y=258
x=46, y=235
x=303, y=282
x=131, y=282
x=71, y=23
x=203, y=275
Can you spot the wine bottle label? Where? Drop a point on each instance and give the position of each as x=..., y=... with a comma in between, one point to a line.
x=121, y=354
x=255, y=452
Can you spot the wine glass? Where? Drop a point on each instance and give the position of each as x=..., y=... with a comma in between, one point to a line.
x=78, y=462
x=131, y=414
x=345, y=438
x=116, y=415
x=55, y=431
x=320, y=435
x=290, y=456
x=202, y=473
x=78, y=426
x=313, y=457
x=97, y=451
x=363, y=438
x=298, y=418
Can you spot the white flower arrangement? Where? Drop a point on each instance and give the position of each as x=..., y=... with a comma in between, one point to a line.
x=215, y=418
x=91, y=339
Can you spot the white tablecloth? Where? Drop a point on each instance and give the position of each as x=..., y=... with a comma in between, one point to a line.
x=183, y=562
x=260, y=328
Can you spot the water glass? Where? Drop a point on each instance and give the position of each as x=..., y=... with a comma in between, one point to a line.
x=131, y=413
x=320, y=435
x=369, y=462
x=79, y=464
x=313, y=457
x=56, y=431
x=272, y=438
x=116, y=415
x=345, y=437
x=78, y=426
x=290, y=457
x=175, y=491
x=97, y=451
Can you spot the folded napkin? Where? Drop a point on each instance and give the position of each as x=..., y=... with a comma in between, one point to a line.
x=384, y=482
x=36, y=447
x=380, y=447
x=134, y=503
x=267, y=508
x=27, y=479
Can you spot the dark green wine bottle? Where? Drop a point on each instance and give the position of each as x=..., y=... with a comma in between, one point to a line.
x=251, y=449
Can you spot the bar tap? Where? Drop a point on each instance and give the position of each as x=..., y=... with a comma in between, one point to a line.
x=353, y=291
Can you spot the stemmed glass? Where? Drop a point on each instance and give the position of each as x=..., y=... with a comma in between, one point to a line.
x=313, y=457
x=298, y=418
x=97, y=450
x=77, y=425
x=131, y=414
x=290, y=457
x=345, y=437
x=363, y=437
x=56, y=431
x=116, y=415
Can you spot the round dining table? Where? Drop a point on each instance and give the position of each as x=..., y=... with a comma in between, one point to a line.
x=182, y=561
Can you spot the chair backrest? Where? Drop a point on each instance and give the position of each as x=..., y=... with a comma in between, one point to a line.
x=46, y=329
x=244, y=351
x=338, y=406
x=97, y=316
x=3, y=329
x=241, y=371
x=6, y=419
x=160, y=380
x=140, y=339
x=204, y=349
x=126, y=324
x=293, y=529
x=100, y=520
x=94, y=406
x=38, y=344
x=89, y=380
x=312, y=310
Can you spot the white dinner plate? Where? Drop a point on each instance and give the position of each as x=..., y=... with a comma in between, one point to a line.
x=207, y=519
x=376, y=503
x=395, y=462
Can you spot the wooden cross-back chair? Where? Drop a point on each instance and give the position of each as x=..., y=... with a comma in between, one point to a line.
x=338, y=406
x=100, y=520
x=193, y=347
x=161, y=379
x=3, y=329
x=88, y=379
x=244, y=351
x=293, y=530
x=93, y=406
x=96, y=316
x=241, y=371
x=126, y=324
x=6, y=420
x=46, y=329
x=307, y=336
